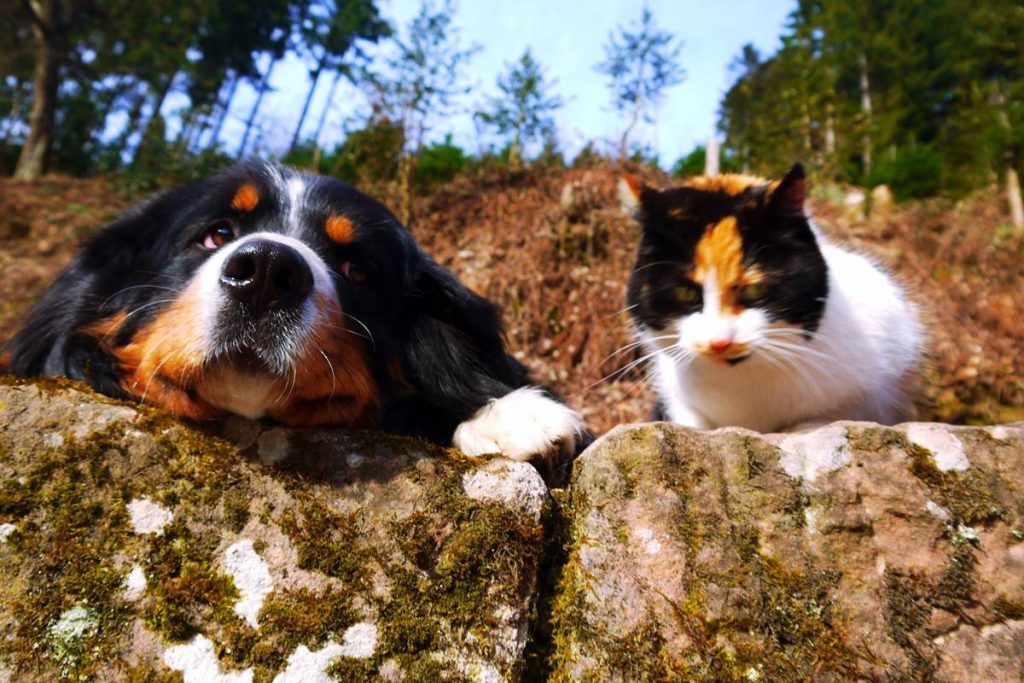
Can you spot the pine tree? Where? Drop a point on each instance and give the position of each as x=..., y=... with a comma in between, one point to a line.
x=523, y=110
x=641, y=63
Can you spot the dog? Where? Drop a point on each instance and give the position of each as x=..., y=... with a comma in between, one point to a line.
x=269, y=293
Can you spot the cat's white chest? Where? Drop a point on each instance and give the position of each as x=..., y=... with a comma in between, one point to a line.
x=854, y=368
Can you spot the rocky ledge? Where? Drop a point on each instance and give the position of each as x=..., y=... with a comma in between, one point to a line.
x=137, y=548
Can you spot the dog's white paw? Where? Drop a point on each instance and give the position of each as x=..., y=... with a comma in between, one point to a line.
x=520, y=425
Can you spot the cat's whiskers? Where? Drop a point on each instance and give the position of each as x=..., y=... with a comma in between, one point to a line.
x=806, y=368
x=633, y=345
x=621, y=371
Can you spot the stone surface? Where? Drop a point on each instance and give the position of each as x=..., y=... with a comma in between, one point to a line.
x=137, y=548
x=849, y=553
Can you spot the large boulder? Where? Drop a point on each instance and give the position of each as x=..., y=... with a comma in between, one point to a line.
x=133, y=547
x=854, y=552
x=137, y=548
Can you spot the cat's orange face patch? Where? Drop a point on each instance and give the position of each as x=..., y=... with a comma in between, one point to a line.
x=340, y=229
x=246, y=198
x=729, y=183
x=720, y=250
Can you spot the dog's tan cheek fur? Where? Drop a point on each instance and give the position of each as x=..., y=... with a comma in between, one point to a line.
x=165, y=364
x=333, y=383
x=163, y=359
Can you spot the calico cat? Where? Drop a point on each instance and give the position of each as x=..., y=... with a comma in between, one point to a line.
x=752, y=319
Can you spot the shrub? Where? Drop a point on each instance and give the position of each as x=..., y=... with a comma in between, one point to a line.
x=910, y=172
x=438, y=163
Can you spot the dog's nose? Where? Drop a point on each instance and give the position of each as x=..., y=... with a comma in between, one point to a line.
x=264, y=275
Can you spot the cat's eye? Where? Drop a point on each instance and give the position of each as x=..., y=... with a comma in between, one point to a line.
x=752, y=291
x=685, y=295
x=217, y=235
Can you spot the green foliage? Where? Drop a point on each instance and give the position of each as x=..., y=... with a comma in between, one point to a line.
x=422, y=78
x=523, y=111
x=911, y=172
x=693, y=163
x=155, y=172
x=641, y=63
x=438, y=163
x=588, y=157
x=370, y=155
x=925, y=96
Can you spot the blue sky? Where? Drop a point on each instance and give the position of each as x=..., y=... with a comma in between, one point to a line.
x=568, y=39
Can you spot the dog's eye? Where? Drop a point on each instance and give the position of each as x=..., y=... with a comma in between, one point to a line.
x=217, y=235
x=354, y=272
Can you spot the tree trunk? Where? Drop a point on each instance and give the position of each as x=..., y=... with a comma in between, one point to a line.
x=326, y=109
x=711, y=155
x=1013, y=196
x=866, y=108
x=624, y=142
x=35, y=153
x=830, y=129
x=305, y=106
x=223, y=116
x=260, y=92
x=406, y=166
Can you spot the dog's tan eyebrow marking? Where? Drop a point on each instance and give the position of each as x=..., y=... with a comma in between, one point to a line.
x=340, y=229
x=246, y=198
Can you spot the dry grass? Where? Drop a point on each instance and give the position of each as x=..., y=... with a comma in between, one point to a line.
x=557, y=260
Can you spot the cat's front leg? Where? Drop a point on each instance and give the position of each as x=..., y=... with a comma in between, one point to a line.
x=683, y=414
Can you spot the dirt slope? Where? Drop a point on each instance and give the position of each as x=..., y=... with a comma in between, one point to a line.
x=552, y=248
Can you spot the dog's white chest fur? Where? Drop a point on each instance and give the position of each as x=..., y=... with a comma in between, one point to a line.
x=854, y=367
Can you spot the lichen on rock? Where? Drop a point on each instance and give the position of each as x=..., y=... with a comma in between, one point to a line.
x=731, y=556
x=248, y=553
x=137, y=548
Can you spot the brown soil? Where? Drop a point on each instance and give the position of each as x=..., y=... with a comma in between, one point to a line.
x=557, y=260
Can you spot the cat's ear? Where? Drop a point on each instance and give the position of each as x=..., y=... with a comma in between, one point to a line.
x=787, y=199
x=631, y=194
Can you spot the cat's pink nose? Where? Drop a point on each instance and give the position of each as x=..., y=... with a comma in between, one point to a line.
x=720, y=345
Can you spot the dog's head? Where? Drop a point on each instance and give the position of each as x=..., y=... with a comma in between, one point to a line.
x=268, y=292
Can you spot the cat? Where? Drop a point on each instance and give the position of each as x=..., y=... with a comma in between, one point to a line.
x=752, y=319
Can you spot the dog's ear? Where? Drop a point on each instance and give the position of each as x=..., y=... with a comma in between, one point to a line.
x=55, y=339
x=455, y=352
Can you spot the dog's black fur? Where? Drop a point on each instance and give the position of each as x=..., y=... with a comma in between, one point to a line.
x=437, y=352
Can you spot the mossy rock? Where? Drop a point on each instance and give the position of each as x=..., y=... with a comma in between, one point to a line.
x=854, y=552
x=138, y=548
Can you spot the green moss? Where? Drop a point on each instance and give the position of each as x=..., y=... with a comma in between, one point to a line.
x=71, y=524
x=349, y=670
x=484, y=555
x=185, y=587
x=955, y=590
x=418, y=539
x=910, y=598
x=783, y=623
x=640, y=655
x=16, y=499
x=327, y=541
x=236, y=510
x=287, y=620
x=966, y=494
x=627, y=478
x=143, y=673
x=1009, y=608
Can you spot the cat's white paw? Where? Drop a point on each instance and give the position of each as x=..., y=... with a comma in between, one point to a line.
x=520, y=425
